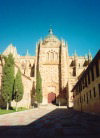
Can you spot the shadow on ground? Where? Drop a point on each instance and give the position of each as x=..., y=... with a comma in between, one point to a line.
x=60, y=123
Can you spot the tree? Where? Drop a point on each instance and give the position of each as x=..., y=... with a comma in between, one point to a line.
x=38, y=88
x=18, y=88
x=8, y=79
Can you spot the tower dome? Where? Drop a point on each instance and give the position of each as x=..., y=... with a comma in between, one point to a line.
x=51, y=37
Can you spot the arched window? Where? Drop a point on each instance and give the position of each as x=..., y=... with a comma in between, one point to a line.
x=47, y=56
x=51, y=56
x=32, y=73
x=30, y=65
x=74, y=71
x=56, y=56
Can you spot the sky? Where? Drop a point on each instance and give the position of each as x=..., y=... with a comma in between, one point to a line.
x=24, y=22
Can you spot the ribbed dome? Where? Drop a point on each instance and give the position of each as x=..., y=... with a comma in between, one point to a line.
x=51, y=37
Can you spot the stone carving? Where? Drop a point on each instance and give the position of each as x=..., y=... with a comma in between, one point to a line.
x=58, y=70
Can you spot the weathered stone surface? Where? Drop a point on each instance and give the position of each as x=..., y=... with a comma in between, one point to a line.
x=58, y=70
x=49, y=122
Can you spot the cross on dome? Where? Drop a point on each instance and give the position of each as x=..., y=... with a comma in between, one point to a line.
x=50, y=31
x=50, y=37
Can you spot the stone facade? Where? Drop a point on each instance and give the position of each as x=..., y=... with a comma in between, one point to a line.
x=58, y=70
x=87, y=89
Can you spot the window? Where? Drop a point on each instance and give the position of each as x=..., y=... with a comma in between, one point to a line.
x=97, y=68
x=92, y=73
x=80, y=86
x=88, y=78
x=99, y=89
x=74, y=71
x=32, y=73
x=94, y=92
x=52, y=56
x=87, y=97
x=83, y=83
x=86, y=81
x=56, y=56
x=29, y=65
x=90, y=94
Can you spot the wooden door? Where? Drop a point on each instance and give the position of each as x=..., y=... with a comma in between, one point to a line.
x=51, y=97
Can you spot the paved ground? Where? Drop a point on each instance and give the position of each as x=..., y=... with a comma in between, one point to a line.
x=49, y=122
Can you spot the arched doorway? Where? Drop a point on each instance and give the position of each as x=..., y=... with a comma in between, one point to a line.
x=51, y=97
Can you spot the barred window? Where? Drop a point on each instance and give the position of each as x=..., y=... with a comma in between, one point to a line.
x=97, y=69
x=88, y=78
x=94, y=92
x=92, y=73
x=99, y=89
x=90, y=94
x=87, y=98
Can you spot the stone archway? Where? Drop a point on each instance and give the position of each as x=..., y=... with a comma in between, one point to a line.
x=51, y=97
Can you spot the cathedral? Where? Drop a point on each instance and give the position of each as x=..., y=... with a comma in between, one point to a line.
x=59, y=71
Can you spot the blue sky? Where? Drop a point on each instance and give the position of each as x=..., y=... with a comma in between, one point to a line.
x=24, y=22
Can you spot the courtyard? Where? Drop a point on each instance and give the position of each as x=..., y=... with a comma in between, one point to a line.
x=49, y=121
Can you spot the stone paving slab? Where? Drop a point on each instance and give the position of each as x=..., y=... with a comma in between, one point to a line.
x=49, y=123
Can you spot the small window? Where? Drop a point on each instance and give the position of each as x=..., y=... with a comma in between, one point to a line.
x=88, y=78
x=92, y=73
x=85, y=81
x=99, y=89
x=52, y=56
x=32, y=72
x=74, y=71
x=56, y=56
x=87, y=98
x=94, y=92
x=97, y=68
x=29, y=65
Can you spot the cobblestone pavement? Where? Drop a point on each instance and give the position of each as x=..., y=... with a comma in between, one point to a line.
x=49, y=122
